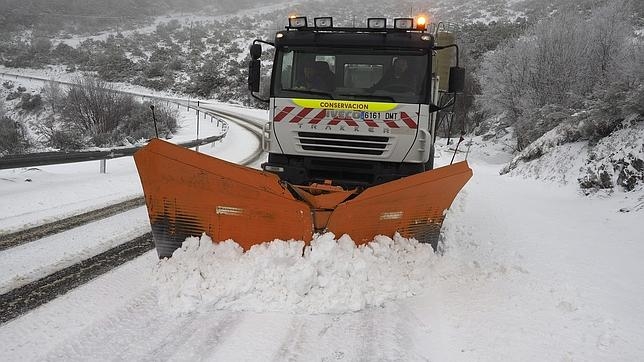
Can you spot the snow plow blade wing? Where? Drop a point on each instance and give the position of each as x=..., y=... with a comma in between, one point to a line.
x=414, y=206
x=188, y=193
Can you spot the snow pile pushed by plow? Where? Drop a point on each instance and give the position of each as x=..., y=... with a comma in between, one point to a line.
x=329, y=276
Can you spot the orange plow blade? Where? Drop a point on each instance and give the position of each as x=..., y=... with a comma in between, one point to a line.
x=414, y=206
x=188, y=193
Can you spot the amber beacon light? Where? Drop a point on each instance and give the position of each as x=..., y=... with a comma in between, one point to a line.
x=421, y=23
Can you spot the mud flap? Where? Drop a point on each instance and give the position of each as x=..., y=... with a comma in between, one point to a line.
x=189, y=193
x=414, y=206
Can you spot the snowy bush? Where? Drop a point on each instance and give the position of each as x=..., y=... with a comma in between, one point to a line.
x=41, y=46
x=102, y=116
x=114, y=66
x=140, y=124
x=557, y=66
x=160, y=83
x=13, y=95
x=12, y=136
x=474, y=41
x=30, y=102
x=616, y=161
x=53, y=94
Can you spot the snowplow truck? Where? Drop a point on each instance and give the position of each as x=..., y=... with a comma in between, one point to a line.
x=350, y=143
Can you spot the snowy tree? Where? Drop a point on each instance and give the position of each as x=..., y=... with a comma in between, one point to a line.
x=551, y=71
x=53, y=94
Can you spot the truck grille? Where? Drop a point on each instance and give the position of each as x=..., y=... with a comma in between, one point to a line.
x=343, y=143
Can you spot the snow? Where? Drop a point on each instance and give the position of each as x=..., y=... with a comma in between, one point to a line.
x=567, y=163
x=35, y=196
x=552, y=275
x=29, y=262
x=532, y=271
x=329, y=276
x=49, y=196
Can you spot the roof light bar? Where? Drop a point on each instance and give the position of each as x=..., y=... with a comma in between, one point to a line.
x=297, y=22
x=403, y=23
x=323, y=22
x=376, y=23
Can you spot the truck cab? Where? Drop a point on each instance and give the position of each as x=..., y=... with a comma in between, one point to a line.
x=354, y=107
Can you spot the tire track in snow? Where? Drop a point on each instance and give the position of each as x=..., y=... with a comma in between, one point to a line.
x=290, y=349
x=41, y=291
x=208, y=332
x=38, y=232
x=403, y=326
x=141, y=331
x=111, y=336
x=384, y=335
x=366, y=335
x=354, y=337
x=172, y=339
x=27, y=297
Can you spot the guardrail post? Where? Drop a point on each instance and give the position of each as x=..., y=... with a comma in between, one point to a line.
x=197, y=148
x=103, y=165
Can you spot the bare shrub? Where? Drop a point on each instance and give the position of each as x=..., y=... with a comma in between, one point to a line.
x=12, y=136
x=95, y=109
x=97, y=115
x=53, y=134
x=53, y=94
x=140, y=124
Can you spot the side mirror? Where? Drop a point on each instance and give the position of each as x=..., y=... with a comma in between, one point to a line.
x=456, y=80
x=254, y=75
x=255, y=51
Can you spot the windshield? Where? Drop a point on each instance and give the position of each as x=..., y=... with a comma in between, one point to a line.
x=352, y=74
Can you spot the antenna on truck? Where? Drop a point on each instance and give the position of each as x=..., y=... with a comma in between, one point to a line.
x=154, y=118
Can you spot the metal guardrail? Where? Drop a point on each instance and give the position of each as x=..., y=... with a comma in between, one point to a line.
x=53, y=158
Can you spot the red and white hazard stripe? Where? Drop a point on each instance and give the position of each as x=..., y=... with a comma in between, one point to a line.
x=289, y=114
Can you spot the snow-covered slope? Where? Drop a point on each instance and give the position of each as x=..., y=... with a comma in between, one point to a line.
x=614, y=164
x=532, y=271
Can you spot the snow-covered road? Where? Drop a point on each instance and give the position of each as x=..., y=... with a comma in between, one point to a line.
x=531, y=271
